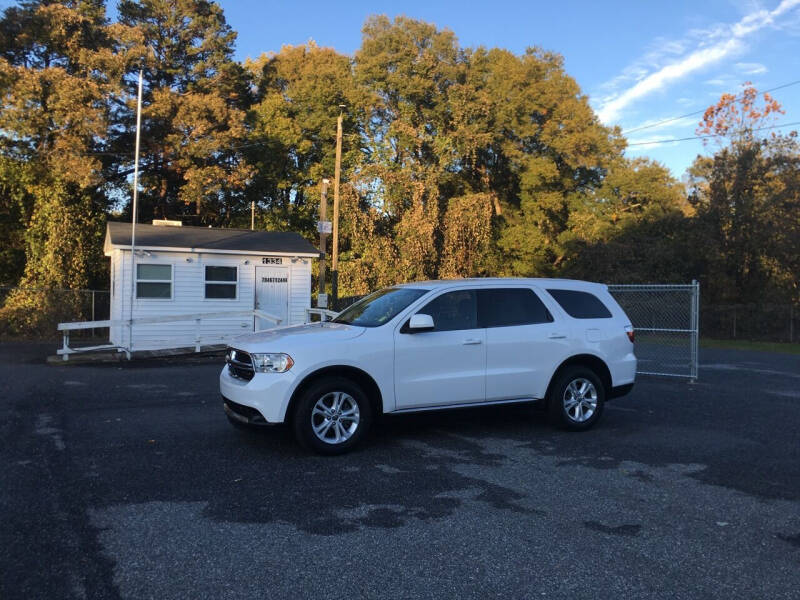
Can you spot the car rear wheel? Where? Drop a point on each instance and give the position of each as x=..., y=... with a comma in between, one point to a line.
x=577, y=398
x=332, y=416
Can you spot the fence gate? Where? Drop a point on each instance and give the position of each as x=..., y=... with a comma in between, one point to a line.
x=667, y=323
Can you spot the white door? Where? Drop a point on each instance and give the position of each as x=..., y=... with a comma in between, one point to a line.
x=272, y=295
x=446, y=365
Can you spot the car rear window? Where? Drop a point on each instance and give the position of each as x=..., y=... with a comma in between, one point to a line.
x=580, y=305
x=504, y=307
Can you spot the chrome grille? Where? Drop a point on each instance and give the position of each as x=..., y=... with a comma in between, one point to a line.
x=240, y=365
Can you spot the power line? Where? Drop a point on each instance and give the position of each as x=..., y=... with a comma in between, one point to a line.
x=703, y=137
x=698, y=112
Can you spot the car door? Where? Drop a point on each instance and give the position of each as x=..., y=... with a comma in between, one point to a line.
x=446, y=365
x=523, y=342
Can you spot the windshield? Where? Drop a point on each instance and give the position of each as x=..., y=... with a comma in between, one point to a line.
x=379, y=308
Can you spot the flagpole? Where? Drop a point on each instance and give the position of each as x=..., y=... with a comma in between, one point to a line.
x=134, y=211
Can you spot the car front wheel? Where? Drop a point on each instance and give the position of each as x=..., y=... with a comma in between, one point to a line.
x=332, y=416
x=577, y=398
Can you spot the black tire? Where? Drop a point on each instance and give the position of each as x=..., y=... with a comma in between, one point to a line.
x=304, y=419
x=570, y=415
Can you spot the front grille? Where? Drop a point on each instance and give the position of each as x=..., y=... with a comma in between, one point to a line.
x=240, y=365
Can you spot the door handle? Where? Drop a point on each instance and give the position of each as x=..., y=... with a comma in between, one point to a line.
x=556, y=336
x=471, y=342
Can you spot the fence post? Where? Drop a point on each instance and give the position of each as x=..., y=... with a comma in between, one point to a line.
x=94, y=333
x=734, y=322
x=695, y=342
x=66, y=344
x=197, y=335
x=791, y=323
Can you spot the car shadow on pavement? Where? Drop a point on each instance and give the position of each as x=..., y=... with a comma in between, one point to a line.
x=405, y=470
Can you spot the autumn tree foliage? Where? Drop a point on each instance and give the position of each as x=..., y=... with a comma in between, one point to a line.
x=291, y=139
x=738, y=119
x=193, y=118
x=747, y=197
x=59, y=63
x=457, y=161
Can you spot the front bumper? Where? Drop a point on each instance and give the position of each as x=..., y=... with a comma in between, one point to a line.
x=243, y=414
x=266, y=393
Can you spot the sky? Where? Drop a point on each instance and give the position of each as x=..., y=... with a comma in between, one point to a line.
x=639, y=62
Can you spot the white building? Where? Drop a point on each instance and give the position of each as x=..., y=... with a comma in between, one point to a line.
x=197, y=270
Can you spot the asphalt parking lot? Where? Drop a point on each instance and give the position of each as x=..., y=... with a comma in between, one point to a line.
x=128, y=482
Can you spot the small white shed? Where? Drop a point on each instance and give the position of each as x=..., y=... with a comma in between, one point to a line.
x=197, y=270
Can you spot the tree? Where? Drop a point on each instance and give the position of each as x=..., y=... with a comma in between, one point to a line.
x=193, y=120
x=747, y=202
x=59, y=61
x=557, y=150
x=408, y=68
x=293, y=131
x=738, y=119
x=636, y=227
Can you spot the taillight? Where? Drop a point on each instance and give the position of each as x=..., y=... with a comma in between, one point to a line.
x=631, y=333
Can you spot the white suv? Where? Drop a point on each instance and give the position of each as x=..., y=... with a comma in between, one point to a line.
x=435, y=345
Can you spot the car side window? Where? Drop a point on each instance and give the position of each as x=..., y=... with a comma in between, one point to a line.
x=581, y=305
x=505, y=307
x=453, y=311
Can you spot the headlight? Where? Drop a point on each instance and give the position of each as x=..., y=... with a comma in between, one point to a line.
x=272, y=363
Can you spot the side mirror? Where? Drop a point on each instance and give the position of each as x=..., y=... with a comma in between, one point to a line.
x=420, y=322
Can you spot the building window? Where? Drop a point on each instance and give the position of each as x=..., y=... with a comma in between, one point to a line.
x=221, y=282
x=154, y=281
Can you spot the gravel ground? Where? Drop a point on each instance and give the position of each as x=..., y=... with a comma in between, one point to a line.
x=128, y=482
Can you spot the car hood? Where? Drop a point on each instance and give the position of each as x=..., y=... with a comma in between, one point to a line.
x=281, y=339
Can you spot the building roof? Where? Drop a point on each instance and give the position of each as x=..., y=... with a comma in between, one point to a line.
x=209, y=239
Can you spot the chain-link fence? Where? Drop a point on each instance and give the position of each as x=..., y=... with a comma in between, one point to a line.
x=58, y=306
x=666, y=320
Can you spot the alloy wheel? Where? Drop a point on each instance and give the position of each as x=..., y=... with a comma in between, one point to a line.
x=335, y=417
x=580, y=400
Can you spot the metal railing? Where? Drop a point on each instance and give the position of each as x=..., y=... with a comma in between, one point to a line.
x=666, y=319
x=198, y=318
x=323, y=313
x=667, y=323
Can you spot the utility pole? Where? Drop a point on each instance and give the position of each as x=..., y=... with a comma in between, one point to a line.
x=336, y=179
x=252, y=215
x=322, y=297
x=134, y=209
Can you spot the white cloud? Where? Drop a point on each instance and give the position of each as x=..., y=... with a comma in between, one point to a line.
x=711, y=46
x=672, y=72
x=749, y=68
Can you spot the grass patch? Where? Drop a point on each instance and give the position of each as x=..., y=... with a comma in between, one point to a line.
x=784, y=347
